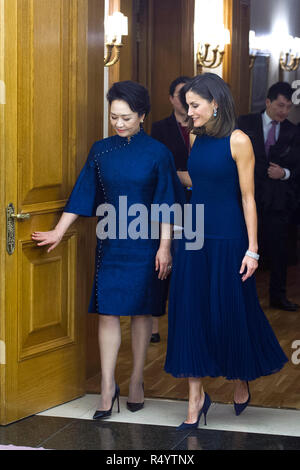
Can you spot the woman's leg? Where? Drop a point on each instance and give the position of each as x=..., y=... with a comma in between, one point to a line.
x=155, y=324
x=196, y=399
x=109, y=337
x=141, y=329
x=241, y=394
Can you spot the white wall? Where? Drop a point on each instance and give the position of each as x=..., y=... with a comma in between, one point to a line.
x=208, y=21
x=277, y=17
x=266, y=13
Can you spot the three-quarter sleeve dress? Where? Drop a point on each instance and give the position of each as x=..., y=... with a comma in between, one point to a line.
x=121, y=180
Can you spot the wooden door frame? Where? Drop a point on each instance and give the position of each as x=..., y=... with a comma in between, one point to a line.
x=236, y=70
x=8, y=154
x=2, y=217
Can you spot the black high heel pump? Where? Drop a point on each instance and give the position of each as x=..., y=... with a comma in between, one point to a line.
x=135, y=406
x=100, y=414
x=240, y=407
x=204, y=410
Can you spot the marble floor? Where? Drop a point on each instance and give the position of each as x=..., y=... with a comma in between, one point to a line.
x=71, y=427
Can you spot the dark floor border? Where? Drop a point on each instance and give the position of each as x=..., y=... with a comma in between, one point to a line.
x=111, y=438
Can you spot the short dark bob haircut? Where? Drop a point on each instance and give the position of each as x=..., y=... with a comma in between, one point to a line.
x=280, y=88
x=134, y=94
x=211, y=87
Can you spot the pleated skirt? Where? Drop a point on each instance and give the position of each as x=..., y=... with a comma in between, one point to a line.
x=216, y=324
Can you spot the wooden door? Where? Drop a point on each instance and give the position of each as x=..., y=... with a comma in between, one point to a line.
x=44, y=141
x=164, y=49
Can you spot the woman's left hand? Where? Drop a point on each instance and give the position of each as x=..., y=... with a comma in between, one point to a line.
x=163, y=263
x=250, y=264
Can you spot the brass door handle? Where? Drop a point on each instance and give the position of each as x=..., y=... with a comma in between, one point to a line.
x=11, y=217
x=20, y=216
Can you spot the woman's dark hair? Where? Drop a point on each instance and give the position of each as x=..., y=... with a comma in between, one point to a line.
x=134, y=94
x=211, y=87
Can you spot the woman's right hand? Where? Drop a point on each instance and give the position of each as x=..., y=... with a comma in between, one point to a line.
x=52, y=238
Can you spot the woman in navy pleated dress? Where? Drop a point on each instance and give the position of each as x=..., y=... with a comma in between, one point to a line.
x=216, y=325
x=124, y=174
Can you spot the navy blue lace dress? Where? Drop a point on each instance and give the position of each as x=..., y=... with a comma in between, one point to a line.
x=216, y=324
x=140, y=171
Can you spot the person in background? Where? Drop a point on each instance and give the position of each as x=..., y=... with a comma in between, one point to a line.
x=173, y=132
x=276, y=145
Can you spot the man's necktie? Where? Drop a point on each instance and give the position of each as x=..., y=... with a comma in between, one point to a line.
x=271, y=137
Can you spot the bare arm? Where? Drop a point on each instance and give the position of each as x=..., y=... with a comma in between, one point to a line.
x=163, y=257
x=184, y=175
x=53, y=237
x=185, y=178
x=242, y=152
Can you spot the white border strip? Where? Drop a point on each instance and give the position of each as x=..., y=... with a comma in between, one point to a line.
x=159, y=412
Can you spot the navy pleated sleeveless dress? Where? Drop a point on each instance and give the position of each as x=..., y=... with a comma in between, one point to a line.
x=216, y=324
x=128, y=176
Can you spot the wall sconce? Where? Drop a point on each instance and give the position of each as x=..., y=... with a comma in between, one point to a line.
x=210, y=52
x=116, y=26
x=253, y=48
x=258, y=46
x=290, y=56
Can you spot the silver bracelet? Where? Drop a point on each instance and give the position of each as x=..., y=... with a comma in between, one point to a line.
x=252, y=254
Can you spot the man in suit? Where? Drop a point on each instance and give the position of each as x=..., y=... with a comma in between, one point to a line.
x=276, y=144
x=173, y=132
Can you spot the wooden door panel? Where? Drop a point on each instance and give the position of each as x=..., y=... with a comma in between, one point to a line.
x=44, y=384
x=47, y=297
x=47, y=309
x=47, y=104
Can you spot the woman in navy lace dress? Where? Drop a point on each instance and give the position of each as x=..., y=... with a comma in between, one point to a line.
x=124, y=174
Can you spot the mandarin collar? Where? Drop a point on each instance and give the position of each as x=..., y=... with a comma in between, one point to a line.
x=133, y=137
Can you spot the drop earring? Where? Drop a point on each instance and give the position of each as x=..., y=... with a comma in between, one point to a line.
x=215, y=112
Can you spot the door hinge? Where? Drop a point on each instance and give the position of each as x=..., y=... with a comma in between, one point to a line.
x=2, y=92
x=2, y=352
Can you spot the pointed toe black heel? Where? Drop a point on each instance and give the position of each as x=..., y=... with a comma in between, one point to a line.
x=155, y=338
x=204, y=410
x=133, y=407
x=102, y=414
x=240, y=407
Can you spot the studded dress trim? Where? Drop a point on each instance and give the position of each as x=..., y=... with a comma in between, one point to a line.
x=97, y=157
